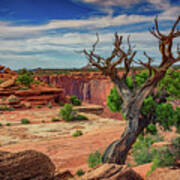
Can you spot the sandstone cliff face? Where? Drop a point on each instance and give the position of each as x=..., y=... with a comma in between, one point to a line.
x=89, y=87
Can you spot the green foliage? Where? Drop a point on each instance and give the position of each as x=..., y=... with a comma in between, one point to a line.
x=1, y=81
x=13, y=99
x=75, y=101
x=55, y=119
x=94, y=159
x=25, y=79
x=166, y=115
x=141, y=151
x=151, y=129
x=61, y=104
x=161, y=158
x=0, y=124
x=77, y=133
x=141, y=78
x=114, y=101
x=81, y=117
x=25, y=121
x=8, y=124
x=176, y=147
x=6, y=108
x=171, y=83
x=148, y=105
x=67, y=112
x=80, y=172
x=49, y=105
x=23, y=88
x=39, y=106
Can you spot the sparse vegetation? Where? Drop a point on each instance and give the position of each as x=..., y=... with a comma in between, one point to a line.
x=75, y=101
x=55, y=119
x=6, y=108
x=77, y=133
x=39, y=106
x=8, y=124
x=25, y=77
x=67, y=112
x=94, y=159
x=80, y=172
x=13, y=99
x=0, y=124
x=25, y=121
x=81, y=117
x=49, y=105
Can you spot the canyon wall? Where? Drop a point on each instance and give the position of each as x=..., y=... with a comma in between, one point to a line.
x=89, y=87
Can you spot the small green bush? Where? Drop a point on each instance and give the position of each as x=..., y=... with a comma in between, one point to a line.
x=23, y=88
x=61, y=104
x=1, y=81
x=8, y=124
x=6, y=108
x=25, y=121
x=0, y=124
x=43, y=121
x=25, y=79
x=13, y=99
x=141, y=151
x=80, y=172
x=67, y=112
x=81, y=117
x=49, y=105
x=39, y=106
x=77, y=133
x=75, y=101
x=55, y=119
x=161, y=158
x=94, y=159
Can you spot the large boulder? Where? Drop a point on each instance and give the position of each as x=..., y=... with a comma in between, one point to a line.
x=112, y=172
x=31, y=165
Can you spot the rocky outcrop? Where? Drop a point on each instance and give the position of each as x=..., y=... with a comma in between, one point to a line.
x=111, y=172
x=31, y=165
x=90, y=87
x=38, y=96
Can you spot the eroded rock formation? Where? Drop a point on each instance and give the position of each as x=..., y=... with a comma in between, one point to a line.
x=31, y=165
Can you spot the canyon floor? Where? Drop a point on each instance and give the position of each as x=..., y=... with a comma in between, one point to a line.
x=55, y=138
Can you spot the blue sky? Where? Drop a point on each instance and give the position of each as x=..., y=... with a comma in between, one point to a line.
x=46, y=33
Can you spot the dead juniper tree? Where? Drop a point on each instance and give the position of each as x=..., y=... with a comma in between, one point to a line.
x=133, y=98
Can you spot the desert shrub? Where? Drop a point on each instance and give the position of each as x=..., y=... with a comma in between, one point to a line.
x=8, y=124
x=37, y=82
x=77, y=133
x=43, y=121
x=25, y=79
x=80, y=172
x=0, y=124
x=61, y=104
x=6, y=108
x=75, y=101
x=67, y=112
x=176, y=147
x=81, y=117
x=94, y=159
x=39, y=106
x=23, y=88
x=49, y=105
x=114, y=101
x=1, y=81
x=141, y=151
x=161, y=158
x=55, y=119
x=25, y=121
x=13, y=99
x=151, y=129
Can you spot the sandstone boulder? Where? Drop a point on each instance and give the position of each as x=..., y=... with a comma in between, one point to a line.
x=66, y=175
x=7, y=83
x=31, y=165
x=112, y=172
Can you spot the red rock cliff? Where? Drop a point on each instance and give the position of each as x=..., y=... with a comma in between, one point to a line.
x=89, y=87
